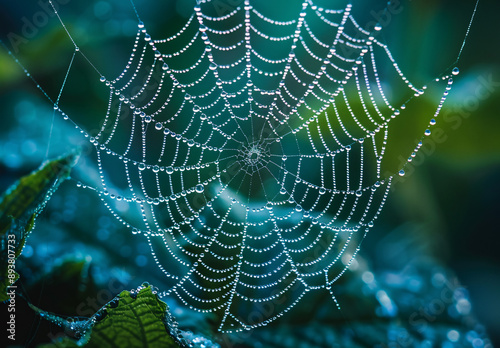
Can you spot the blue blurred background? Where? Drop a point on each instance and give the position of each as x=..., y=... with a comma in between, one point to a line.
x=449, y=200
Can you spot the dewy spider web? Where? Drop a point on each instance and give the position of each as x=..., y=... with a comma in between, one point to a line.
x=248, y=151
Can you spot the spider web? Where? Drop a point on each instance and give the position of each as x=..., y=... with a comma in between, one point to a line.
x=247, y=148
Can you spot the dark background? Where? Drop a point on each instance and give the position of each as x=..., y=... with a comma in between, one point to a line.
x=450, y=196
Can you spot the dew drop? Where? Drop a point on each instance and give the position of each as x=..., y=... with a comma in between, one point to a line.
x=169, y=170
x=199, y=188
x=455, y=71
x=322, y=191
x=158, y=126
x=359, y=193
x=427, y=132
x=401, y=172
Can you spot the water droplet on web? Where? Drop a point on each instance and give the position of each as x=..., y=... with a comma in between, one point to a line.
x=187, y=150
x=427, y=132
x=455, y=71
x=401, y=172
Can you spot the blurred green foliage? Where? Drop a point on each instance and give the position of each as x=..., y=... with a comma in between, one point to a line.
x=451, y=189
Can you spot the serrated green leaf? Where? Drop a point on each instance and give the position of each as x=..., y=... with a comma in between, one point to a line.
x=128, y=322
x=19, y=207
x=134, y=323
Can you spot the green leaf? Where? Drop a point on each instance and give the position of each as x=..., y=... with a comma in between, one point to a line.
x=127, y=321
x=19, y=207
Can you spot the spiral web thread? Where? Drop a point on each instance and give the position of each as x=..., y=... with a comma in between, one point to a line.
x=248, y=151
